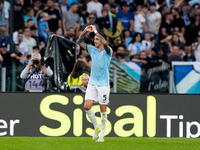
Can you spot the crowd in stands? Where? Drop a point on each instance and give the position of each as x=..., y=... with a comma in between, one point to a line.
x=145, y=31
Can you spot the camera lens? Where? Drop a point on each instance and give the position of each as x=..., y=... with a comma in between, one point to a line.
x=35, y=61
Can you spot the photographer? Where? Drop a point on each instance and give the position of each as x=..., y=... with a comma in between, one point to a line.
x=35, y=73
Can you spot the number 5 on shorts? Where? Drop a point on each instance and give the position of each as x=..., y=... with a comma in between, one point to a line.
x=104, y=98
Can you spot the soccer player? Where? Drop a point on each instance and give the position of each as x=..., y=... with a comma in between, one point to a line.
x=98, y=89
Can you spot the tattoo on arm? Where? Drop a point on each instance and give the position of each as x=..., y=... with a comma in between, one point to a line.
x=80, y=40
x=103, y=41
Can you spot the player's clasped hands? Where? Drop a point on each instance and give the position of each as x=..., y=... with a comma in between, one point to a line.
x=90, y=28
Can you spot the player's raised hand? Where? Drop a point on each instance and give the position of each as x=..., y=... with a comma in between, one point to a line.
x=93, y=27
x=88, y=28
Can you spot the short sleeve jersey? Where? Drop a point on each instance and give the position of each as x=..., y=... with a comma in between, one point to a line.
x=100, y=66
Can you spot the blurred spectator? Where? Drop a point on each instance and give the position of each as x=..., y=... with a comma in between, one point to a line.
x=175, y=39
x=127, y=38
x=37, y=8
x=55, y=22
x=85, y=80
x=140, y=20
x=83, y=15
x=110, y=2
x=185, y=15
x=135, y=47
x=189, y=56
x=56, y=6
x=94, y=5
x=194, y=30
x=71, y=19
x=174, y=55
x=44, y=26
x=71, y=34
x=143, y=58
x=28, y=3
x=138, y=9
x=178, y=21
x=176, y=42
x=126, y=17
x=30, y=15
x=75, y=78
x=59, y=32
x=24, y=7
x=29, y=23
x=148, y=45
x=34, y=34
x=106, y=6
x=195, y=12
x=196, y=48
x=85, y=57
x=7, y=59
x=3, y=37
x=19, y=58
x=161, y=56
x=23, y=47
x=69, y=2
x=29, y=40
x=165, y=28
x=4, y=17
x=40, y=49
x=18, y=15
x=7, y=62
x=121, y=56
x=15, y=34
x=63, y=6
x=92, y=19
x=113, y=10
x=153, y=19
x=105, y=21
x=6, y=5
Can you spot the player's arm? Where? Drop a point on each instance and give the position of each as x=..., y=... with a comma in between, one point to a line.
x=80, y=40
x=101, y=39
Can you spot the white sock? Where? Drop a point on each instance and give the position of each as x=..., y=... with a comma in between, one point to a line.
x=91, y=115
x=103, y=123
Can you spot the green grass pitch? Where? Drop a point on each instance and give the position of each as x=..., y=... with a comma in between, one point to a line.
x=86, y=143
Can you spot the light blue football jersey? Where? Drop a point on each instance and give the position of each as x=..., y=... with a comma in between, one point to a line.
x=99, y=75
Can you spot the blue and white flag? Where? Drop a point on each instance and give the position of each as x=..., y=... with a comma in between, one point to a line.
x=186, y=77
x=126, y=77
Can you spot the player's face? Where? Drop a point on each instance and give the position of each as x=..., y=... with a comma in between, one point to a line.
x=97, y=43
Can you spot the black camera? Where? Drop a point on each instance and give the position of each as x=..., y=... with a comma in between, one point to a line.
x=48, y=61
x=35, y=61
